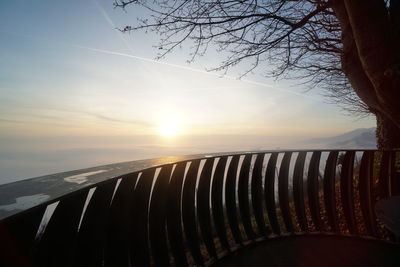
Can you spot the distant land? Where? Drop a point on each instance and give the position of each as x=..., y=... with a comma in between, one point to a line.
x=363, y=138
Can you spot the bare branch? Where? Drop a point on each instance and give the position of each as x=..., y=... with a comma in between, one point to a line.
x=298, y=40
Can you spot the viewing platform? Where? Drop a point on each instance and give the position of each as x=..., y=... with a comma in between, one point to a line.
x=262, y=208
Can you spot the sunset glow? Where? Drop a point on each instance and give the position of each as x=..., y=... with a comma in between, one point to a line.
x=169, y=128
x=76, y=92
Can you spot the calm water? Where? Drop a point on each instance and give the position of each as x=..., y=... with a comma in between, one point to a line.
x=26, y=158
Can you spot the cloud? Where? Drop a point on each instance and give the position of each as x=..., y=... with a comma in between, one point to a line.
x=107, y=118
x=12, y=121
x=54, y=118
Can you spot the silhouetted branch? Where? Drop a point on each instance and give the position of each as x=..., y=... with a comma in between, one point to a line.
x=299, y=40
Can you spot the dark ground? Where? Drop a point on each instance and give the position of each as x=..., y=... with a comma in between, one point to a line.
x=315, y=250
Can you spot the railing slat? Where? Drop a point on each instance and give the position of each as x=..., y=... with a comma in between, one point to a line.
x=257, y=194
x=56, y=247
x=92, y=232
x=283, y=188
x=298, y=192
x=189, y=212
x=313, y=189
x=118, y=239
x=346, y=191
x=157, y=217
x=394, y=176
x=203, y=207
x=140, y=208
x=243, y=195
x=216, y=201
x=230, y=194
x=17, y=237
x=270, y=193
x=132, y=221
x=384, y=174
x=329, y=191
x=174, y=216
x=365, y=189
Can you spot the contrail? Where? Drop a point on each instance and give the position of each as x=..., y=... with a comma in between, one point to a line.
x=148, y=60
x=195, y=70
x=108, y=19
x=112, y=24
x=126, y=43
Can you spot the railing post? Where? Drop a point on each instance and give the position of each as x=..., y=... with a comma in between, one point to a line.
x=257, y=194
x=270, y=193
x=313, y=189
x=243, y=195
x=203, y=207
x=365, y=188
x=347, y=191
x=217, y=204
x=298, y=193
x=230, y=195
x=330, y=191
x=283, y=188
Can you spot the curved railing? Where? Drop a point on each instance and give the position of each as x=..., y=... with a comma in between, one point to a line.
x=195, y=212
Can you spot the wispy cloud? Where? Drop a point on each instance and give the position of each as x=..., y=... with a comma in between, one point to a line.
x=36, y=122
x=11, y=121
x=29, y=110
x=111, y=119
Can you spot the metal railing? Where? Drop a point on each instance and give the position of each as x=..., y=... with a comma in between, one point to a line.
x=196, y=211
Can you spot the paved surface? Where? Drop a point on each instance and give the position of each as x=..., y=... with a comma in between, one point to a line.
x=388, y=211
x=315, y=250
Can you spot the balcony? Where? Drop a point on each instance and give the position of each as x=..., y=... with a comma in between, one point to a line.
x=275, y=208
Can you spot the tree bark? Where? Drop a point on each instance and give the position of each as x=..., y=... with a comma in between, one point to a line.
x=351, y=65
x=371, y=62
x=387, y=133
x=378, y=49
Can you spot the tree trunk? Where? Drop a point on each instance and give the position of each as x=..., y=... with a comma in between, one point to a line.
x=371, y=61
x=377, y=45
x=387, y=133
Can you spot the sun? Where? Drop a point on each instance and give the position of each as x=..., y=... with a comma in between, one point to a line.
x=169, y=128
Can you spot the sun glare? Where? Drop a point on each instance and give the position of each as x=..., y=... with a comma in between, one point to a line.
x=169, y=128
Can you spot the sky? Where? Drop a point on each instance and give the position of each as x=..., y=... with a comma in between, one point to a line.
x=76, y=92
